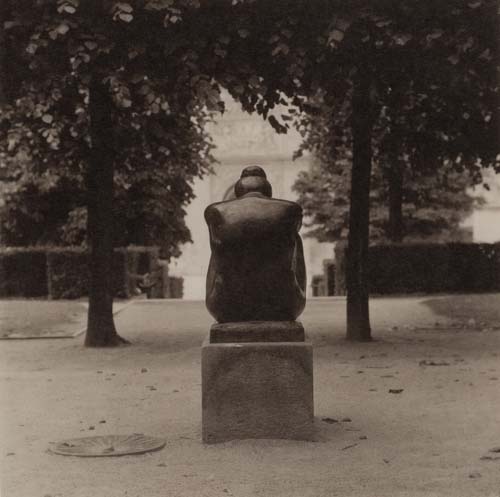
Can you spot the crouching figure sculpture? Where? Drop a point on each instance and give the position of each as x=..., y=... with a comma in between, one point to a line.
x=256, y=270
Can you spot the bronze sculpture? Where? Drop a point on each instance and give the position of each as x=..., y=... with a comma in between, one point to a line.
x=257, y=270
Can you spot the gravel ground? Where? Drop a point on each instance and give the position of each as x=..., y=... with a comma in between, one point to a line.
x=434, y=438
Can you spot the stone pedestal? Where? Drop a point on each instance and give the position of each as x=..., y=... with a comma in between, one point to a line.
x=257, y=389
x=257, y=331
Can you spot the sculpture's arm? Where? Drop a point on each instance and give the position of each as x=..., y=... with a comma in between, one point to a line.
x=300, y=266
x=213, y=218
x=211, y=274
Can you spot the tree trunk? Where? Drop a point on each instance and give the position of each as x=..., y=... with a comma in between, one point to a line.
x=4, y=74
x=395, y=183
x=101, y=331
x=358, y=317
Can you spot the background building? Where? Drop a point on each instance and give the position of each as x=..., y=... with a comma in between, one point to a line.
x=485, y=221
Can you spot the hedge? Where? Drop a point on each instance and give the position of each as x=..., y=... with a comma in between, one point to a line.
x=62, y=272
x=318, y=285
x=175, y=287
x=340, y=267
x=427, y=268
x=329, y=276
x=139, y=261
x=68, y=276
x=23, y=272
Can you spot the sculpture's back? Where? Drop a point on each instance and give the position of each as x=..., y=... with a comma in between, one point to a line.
x=256, y=270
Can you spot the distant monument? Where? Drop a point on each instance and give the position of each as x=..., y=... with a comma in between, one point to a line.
x=257, y=378
x=256, y=270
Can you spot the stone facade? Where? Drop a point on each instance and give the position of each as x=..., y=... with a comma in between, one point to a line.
x=485, y=221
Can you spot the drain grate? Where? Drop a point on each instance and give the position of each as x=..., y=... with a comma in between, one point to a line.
x=108, y=445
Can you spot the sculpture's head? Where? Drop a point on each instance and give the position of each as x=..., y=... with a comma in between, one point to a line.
x=253, y=179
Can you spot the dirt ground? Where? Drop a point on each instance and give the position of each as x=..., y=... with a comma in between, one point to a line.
x=40, y=318
x=433, y=438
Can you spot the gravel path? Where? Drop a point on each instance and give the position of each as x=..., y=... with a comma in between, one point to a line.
x=430, y=439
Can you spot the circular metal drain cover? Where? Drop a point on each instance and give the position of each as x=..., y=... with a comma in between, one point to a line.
x=108, y=445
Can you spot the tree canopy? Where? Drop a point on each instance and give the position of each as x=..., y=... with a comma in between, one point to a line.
x=159, y=138
x=433, y=205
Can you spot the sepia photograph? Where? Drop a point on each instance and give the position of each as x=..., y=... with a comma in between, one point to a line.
x=250, y=248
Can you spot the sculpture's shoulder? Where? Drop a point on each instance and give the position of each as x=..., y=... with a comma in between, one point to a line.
x=288, y=206
x=216, y=211
x=252, y=207
x=276, y=207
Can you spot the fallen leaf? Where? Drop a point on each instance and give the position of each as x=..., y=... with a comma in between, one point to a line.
x=329, y=420
x=433, y=363
x=348, y=446
x=489, y=458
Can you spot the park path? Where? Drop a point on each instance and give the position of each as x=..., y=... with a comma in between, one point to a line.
x=428, y=437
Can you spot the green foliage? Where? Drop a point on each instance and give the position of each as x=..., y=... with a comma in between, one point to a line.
x=427, y=268
x=176, y=287
x=140, y=261
x=62, y=272
x=434, y=100
x=434, y=203
x=68, y=275
x=67, y=271
x=23, y=272
x=160, y=107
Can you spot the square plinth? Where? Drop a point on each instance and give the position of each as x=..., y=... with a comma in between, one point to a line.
x=257, y=390
x=257, y=331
